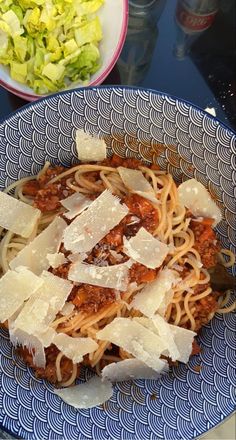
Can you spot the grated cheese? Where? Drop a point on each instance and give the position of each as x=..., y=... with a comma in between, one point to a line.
x=92, y=225
x=86, y=395
x=56, y=260
x=74, y=348
x=135, y=339
x=114, y=277
x=34, y=255
x=156, y=296
x=90, y=148
x=194, y=196
x=75, y=204
x=17, y=216
x=135, y=181
x=15, y=288
x=130, y=369
x=146, y=249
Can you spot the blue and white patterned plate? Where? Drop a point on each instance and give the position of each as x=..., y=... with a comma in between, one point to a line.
x=186, y=403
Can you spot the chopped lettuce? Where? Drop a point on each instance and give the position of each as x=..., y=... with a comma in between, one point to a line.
x=3, y=42
x=19, y=71
x=48, y=44
x=13, y=22
x=89, y=32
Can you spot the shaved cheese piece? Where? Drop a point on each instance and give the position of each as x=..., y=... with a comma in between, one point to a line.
x=77, y=258
x=32, y=343
x=47, y=336
x=15, y=288
x=17, y=216
x=115, y=255
x=179, y=339
x=135, y=339
x=34, y=255
x=146, y=249
x=184, y=340
x=74, y=348
x=194, y=196
x=56, y=260
x=156, y=294
x=75, y=204
x=113, y=277
x=135, y=181
x=67, y=309
x=92, y=225
x=159, y=326
x=41, y=309
x=90, y=148
x=86, y=395
x=130, y=369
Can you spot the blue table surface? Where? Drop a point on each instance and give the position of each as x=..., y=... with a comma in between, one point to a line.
x=159, y=54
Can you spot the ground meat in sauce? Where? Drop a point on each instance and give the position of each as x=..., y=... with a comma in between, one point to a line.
x=49, y=372
x=90, y=299
x=61, y=271
x=205, y=243
x=141, y=274
x=47, y=196
x=142, y=209
x=117, y=161
x=205, y=308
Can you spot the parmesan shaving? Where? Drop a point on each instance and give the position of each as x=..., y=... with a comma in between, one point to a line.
x=32, y=343
x=75, y=204
x=92, y=225
x=159, y=326
x=74, y=348
x=34, y=255
x=115, y=255
x=184, y=341
x=86, y=395
x=135, y=339
x=157, y=295
x=15, y=288
x=114, y=277
x=90, y=148
x=194, y=196
x=135, y=181
x=17, y=216
x=179, y=339
x=41, y=309
x=146, y=249
x=130, y=369
x=56, y=260
x=67, y=309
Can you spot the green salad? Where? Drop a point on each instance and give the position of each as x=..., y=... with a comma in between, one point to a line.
x=49, y=44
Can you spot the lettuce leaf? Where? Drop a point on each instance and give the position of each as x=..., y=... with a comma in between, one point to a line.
x=89, y=33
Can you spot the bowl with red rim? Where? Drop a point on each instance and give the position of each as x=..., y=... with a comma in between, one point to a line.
x=114, y=33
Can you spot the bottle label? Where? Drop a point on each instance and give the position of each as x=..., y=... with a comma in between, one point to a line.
x=192, y=21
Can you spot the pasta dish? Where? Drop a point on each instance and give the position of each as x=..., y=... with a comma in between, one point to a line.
x=129, y=250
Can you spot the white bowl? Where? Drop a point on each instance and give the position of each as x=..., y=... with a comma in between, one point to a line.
x=114, y=20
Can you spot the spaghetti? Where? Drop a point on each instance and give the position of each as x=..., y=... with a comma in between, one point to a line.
x=193, y=249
